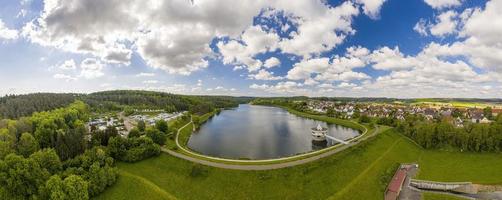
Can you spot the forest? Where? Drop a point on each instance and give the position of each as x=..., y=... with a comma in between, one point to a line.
x=17, y=106
x=47, y=156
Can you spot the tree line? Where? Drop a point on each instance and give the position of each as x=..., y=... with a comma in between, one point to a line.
x=17, y=106
x=121, y=99
x=444, y=135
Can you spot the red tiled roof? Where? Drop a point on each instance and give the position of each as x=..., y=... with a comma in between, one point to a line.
x=496, y=110
x=390, y=195
x=395, y=185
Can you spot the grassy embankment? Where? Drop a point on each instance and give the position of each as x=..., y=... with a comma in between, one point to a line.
x=355, y=173
x=185, y=134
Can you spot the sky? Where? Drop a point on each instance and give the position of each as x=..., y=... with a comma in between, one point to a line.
x=351, y=48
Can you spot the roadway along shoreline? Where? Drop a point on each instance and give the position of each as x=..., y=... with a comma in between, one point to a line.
x=259, y=166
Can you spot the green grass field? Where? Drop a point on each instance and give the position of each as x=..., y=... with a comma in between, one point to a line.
x=456, y=166
x=352, y=174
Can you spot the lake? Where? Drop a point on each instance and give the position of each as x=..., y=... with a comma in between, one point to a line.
x=261, y=132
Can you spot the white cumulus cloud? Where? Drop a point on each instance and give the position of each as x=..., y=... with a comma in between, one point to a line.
x=7, y=33
x=272, y=62
x=441, y=4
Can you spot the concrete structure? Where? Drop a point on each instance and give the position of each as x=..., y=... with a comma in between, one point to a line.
x=455, y=187
x=319, y=133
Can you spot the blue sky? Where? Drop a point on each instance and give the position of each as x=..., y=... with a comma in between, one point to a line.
x=384, y=48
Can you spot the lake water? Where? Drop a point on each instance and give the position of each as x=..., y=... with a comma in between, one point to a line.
x=261, y=132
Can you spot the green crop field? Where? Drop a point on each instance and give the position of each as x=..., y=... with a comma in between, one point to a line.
x=356, y=173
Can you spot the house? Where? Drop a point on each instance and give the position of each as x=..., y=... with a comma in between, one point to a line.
x=446, y=113
x=476, y=117
x=485, y=121
x=458, y=122
x=429, y=113
x=496, y=112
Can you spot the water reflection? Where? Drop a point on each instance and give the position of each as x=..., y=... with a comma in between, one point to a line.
x=260, y=132
x=318, y=145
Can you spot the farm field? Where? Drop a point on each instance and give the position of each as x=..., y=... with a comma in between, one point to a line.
x=338, y=177
x=458, y=104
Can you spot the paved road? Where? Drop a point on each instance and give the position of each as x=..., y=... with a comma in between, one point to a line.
x=408, y=192
x=266, y=166
x=127, y=121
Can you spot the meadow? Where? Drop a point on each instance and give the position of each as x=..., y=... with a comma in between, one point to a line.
x=356, y=173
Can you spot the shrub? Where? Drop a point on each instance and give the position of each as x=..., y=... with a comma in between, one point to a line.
x=198, y=171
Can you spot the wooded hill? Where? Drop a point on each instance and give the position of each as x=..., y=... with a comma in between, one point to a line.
x=16, y=106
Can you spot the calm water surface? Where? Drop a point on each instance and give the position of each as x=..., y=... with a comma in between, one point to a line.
x=260, y=132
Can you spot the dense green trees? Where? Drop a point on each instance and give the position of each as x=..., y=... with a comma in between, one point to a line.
x=388, y=121
x=49, y=159
x=95, y=167
x=15, y=106
x=134, y=133
x=156, y=135
x=21, y=177
x=119, y=100
x=72, y=187
x=472, y=137
x=141, y=125
x=102, y=137
x=7, y=143
x=162, y=126
x=201, y=108
x=487, y=112
x=27, y=145
x=41, y=174
x=116, y=100
x=62, y=129
x=196, y=120
x=364, y=119
x=133, y=149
